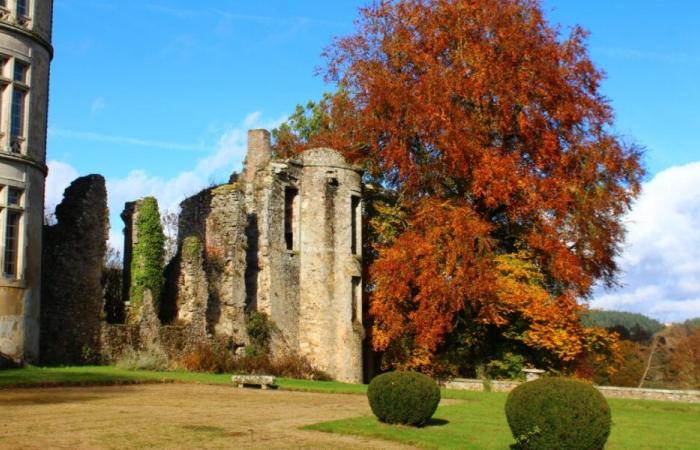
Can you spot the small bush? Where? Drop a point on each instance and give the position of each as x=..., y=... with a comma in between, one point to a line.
x=260, y=329
x=558, y=414
x=407, y=398
x=215, y=357
x=143, y=360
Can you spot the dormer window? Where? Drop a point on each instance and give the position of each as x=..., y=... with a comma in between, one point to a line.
x=22, y=8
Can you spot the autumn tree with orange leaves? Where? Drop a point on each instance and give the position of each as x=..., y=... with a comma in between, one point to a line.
x=506, y=183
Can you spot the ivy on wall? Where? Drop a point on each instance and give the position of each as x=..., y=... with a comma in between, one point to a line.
x=148, y=252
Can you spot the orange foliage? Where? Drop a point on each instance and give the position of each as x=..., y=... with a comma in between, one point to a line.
x=492, y=129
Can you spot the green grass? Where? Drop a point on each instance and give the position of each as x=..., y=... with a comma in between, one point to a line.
x=478, y=422
x=110, y=375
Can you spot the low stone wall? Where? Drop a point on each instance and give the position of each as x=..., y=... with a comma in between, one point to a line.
x=472, y=384
x=669, y=395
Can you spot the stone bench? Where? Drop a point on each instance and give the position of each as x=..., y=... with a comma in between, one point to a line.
x=262, y=381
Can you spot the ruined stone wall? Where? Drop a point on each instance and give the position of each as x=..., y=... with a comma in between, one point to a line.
x=73, y=256
x=284, y=239
x=275, y=256
x=217, y=217
x=129, y=216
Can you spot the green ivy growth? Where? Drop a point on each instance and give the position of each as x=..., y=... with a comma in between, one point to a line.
x=148, y=253
x=191, y=247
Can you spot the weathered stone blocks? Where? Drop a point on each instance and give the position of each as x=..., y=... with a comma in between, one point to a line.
x=73, y=256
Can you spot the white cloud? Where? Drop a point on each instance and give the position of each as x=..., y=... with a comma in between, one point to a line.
x=227, y=156
x=97, y=105
x=661, y=261
x=60, y=176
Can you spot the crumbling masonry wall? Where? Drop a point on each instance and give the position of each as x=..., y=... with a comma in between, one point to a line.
x=216, y=217
x=73, y=255
x=283, y=239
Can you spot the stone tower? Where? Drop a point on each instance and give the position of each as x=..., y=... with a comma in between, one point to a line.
x=304, y=265
x=25, y=55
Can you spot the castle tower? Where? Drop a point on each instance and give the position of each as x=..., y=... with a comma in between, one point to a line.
x=25, y=55
x=330, y=266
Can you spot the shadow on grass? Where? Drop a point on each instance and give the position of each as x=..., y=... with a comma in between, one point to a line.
x=436, y=423
x=46, y=398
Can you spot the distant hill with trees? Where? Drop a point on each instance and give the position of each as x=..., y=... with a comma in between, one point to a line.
x=650, y=353
x=630, y=326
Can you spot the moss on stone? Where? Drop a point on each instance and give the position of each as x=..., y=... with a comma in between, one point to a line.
x=148, y=253
x=227, y=188
x=191, y=247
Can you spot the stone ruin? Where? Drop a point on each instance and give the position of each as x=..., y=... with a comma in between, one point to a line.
x=283, y=238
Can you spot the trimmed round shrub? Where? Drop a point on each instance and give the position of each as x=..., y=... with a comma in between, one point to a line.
x=558, y=414
x=408, y=398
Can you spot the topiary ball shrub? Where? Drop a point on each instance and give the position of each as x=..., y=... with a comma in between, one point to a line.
x=558, y=414
x=408, y=398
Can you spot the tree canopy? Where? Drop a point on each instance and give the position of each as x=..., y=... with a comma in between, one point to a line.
x=507, y=182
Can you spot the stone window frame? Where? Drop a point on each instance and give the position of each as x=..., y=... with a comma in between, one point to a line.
x=8, y=12
x=5, y=208
x=8, y=85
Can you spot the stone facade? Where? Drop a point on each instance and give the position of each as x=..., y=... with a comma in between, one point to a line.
x=282, y=239
x=72, y=289
x=25, y=55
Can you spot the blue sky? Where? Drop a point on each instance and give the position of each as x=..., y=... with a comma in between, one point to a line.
x=157, y=94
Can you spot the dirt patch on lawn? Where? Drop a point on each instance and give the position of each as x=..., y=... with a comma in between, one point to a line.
x=176, y=416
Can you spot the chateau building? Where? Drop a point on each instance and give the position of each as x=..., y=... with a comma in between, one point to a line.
x=25, y=56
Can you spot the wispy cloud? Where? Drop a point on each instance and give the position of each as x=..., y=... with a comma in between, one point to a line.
x=644, y=55
x=97, y=106
x=124, y=140
x=217, y=164
x=182, y=13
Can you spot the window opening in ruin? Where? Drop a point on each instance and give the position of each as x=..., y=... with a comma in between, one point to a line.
x=290, y=216
x=354, y=220
x=356, y=297
x=12, y=243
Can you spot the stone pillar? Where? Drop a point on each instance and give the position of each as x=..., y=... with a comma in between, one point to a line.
x=259, y=153
x=74, y=254
x=129, y=216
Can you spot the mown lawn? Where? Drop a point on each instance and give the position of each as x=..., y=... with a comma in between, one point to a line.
x=477, y=421
x=110, y=375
